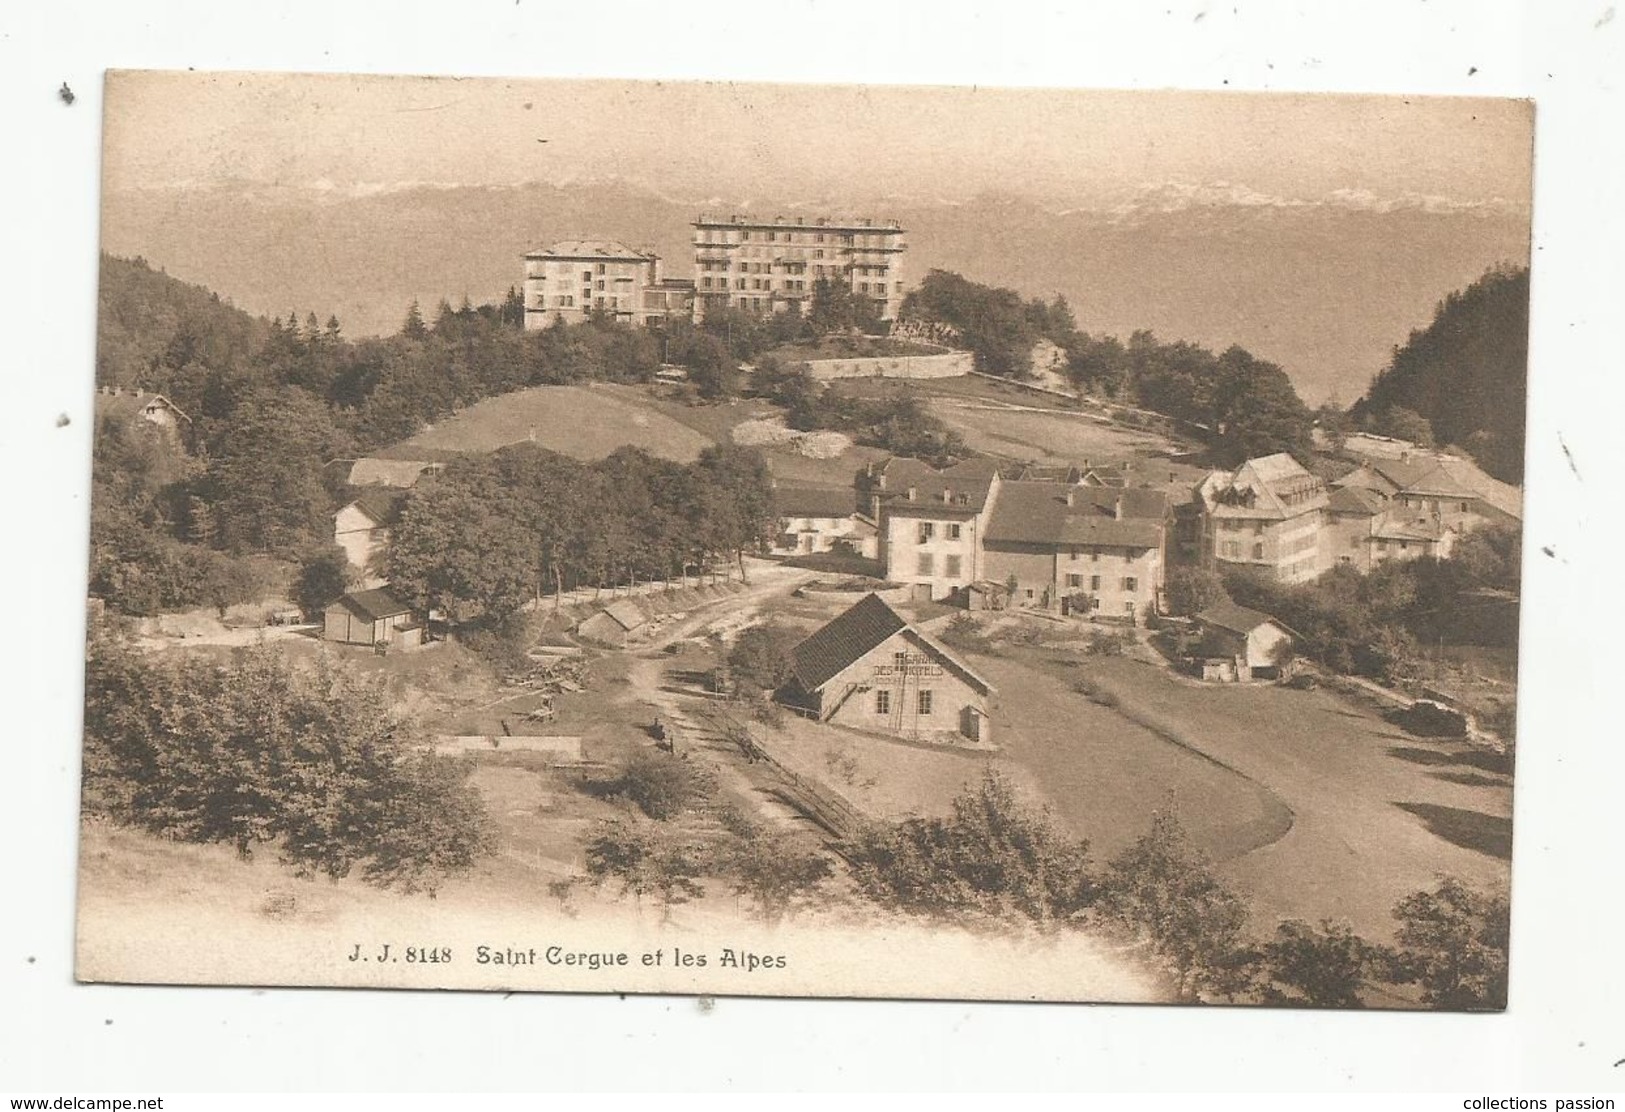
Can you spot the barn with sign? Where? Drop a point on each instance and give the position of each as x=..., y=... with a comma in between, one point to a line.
x=868, y=669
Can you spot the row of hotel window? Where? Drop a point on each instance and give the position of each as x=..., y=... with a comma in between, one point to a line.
x=720, y=236
x=793, y=285
x=705, y=265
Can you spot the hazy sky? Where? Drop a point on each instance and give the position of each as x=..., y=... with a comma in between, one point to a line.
x=701, y=140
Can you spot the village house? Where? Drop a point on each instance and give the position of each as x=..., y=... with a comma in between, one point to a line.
x=868, y=669
x=822, y=519
x=931, y=522
x=372, y=617
x=1267, y=514
x=361, y=529
x=1363, y=530
x=1096, y=551
x=1239, y=644
x=618, y=624
x=1455, y=491
x=141, y=409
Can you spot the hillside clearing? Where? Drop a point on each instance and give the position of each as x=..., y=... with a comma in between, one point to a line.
x=583, y=422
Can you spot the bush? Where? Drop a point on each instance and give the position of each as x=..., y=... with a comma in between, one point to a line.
x=1453, y=943
x=772, y=871
x=1163, y=888
x=996, y=854
x=324, y=575
x=760, y=658
x=1102, y=643
x=503, y=646
x=254, y=753
x=1317, y=967
x=1428, y=719
x=644, y=864
x=663, y=786
x=1097, y=694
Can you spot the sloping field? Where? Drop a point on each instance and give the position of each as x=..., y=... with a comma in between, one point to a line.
x=1040, y=434
x=584, y=422
x=1377, y=814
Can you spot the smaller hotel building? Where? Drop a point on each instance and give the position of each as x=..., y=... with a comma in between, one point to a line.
x=574, y=278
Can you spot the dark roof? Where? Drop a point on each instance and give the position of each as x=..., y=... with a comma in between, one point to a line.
x=383, y=506
x=965, y=484
x=1355, y=500
x=1038, y=513
x=625, y=613
x=375, y=605
x=1236, y=619
x=811, y=501
x=1400, y=526
x=844, y=639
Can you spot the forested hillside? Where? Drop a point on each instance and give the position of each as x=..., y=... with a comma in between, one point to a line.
x=1249, y=405
x=1465, y=375
x=270, y=402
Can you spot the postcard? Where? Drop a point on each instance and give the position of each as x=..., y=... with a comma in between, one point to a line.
x=805, y=540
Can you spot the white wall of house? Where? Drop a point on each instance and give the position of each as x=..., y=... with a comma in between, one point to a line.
x=941, y=552
x=363, y=541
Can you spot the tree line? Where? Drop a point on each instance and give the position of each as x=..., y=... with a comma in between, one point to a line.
x=997, y=856
x=495, y=532
x=1247, y=406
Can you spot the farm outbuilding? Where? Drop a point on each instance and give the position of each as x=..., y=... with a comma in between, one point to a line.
x=1247, y=643
x=618, y=624
x=868, y=669
x=373, y=617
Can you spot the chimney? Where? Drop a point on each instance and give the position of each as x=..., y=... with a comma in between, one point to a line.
x=1071, y=497
x=912, y=491
x=1117, y=508
x=947, y=495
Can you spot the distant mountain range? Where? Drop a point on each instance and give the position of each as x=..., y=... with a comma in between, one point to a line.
x=1326, y=286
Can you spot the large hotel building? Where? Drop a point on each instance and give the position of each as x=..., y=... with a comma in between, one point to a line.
x=770, y=265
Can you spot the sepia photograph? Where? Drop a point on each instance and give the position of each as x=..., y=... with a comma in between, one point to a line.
x=817, y=541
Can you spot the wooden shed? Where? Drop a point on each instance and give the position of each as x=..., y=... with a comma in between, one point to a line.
x=617, y=624
x=373, y=617
x=1252, y=640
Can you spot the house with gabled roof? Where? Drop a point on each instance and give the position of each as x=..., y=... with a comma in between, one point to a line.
x=814, y=519
x=1455, y=490
x=616, y=623
x=1267, y=514
x=1077, y=549
x=141, y=408
x=931, y=521
x=372, y=617
x=1249, y=643
x=574, y=278
x=869, y=669
x=361, y=528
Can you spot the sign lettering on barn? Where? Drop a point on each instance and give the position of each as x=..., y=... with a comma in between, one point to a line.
x=908, y=664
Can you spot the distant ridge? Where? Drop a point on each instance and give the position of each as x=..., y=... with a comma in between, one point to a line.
x=1323, y=287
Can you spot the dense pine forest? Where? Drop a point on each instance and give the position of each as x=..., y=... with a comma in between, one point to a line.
x=1462, y=380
